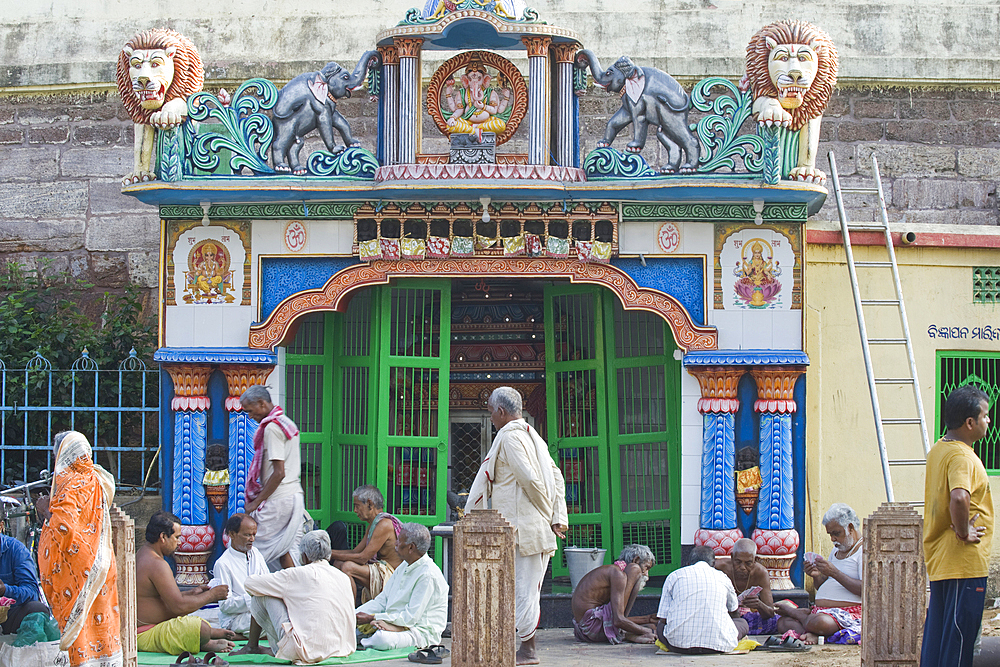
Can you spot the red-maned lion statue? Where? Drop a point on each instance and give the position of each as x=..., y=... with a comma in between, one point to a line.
x=157, y=71
x=791, y=71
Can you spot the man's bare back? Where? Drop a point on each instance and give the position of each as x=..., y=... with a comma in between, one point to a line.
x=609, y=583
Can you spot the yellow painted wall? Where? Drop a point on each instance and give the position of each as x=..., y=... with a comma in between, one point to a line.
x=842, y=451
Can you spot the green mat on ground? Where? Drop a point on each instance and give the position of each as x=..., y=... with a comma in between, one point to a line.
x=371, y=655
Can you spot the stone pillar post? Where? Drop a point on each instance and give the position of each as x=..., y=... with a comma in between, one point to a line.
x=123, y=542
x=389, y=130
x=718, y=404
x=241, y=377
x=409, y=97
x=564, y=54
x=538, y=99
x=775, y=535
x=483, y=594
x=894, y=595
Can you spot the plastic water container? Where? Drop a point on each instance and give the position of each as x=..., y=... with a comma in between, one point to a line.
x=581, y=561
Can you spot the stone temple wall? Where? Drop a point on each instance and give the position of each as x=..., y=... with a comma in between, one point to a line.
x=62, y=158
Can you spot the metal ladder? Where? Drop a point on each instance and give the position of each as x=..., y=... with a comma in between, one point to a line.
x=861, y=303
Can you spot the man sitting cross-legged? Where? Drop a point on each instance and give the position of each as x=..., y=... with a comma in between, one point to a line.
x=306, y=611
x=239, y=561
x=838, y=583
x=604, y=597
x=412, y=609
x=371, y=562
x=161, y=608
x=745, y=573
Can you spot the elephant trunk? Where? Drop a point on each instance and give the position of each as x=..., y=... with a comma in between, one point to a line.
x=586, y=58
x=368, y=60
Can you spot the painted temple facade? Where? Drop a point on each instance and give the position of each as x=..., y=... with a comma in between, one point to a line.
x=649, y=314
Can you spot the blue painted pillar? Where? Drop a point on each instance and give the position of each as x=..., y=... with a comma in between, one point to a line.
x=539, y=109
x=190, y=406
x=775, y=535
x=718, y=405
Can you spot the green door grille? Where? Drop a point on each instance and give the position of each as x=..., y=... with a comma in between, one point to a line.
x=959, y=368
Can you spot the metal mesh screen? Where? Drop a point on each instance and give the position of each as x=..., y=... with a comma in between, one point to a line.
x=413, y=401
x=642, y=406
x=356, y=339
x=412, y=475
x=415, y=322
x=645, y=477
x=576, y=394
x=354, y=467
x=654, y=534
x=304, y=396
x=354, y=410
x=582, y=472
x=466, y=454
x=982, y=370
x=574, y=327
x=309, y=337
x=637, y=333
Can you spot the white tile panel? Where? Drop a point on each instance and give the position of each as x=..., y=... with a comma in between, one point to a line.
x=786, y=330
x=730, y=326
x=179, y=326
x=757, y=329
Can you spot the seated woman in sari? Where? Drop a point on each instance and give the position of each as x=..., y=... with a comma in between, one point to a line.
x=75, y=557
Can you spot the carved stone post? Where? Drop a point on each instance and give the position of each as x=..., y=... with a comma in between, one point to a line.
x=894, y=595
x=775, y=535
x=564, y=54
x=718, y=404
x=408, y=49
x=389, y=130
x=483, y=593
x=123, y=542
x=241, y=377
x=538, y=99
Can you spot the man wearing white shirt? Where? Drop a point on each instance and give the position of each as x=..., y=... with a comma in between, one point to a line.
x=412, y=609
x=697, y=606
x=238, y=562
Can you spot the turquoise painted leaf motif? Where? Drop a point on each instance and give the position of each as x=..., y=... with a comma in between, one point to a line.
x=608, y=163
x=719, y=131
x=356, y=163
x=169, y=151
x=241, y=129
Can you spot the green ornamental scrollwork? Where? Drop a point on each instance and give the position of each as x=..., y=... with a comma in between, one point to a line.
x=170, y=162
x=719, y=131
x=349, y=163
x=324, y=211
x=246, y=133
x=604, y=164
x=714, y=212
x=415, y=16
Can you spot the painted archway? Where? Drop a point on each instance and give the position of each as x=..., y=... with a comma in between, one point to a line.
x=279, y=324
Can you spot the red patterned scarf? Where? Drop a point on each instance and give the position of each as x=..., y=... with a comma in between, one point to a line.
x=288, y=427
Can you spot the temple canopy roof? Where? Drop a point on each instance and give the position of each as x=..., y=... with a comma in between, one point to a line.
x=472, y=26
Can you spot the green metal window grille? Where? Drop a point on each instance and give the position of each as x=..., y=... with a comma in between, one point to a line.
x=986, y=284
x=959, y=368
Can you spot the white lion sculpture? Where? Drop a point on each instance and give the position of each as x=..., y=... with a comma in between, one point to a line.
x=157, y=71
x=791, y=71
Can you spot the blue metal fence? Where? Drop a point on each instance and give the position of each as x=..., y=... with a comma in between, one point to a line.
x=117, y=409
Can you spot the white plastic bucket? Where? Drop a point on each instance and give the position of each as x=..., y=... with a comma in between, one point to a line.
x=581, y=561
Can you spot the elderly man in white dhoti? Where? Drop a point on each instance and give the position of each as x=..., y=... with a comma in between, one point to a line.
x=520, y=479
x=274, y=496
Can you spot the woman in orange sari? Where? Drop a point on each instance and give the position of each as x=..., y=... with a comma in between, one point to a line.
x=75, y=557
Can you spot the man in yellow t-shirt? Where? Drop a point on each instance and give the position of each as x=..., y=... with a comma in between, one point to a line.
x=958, y=527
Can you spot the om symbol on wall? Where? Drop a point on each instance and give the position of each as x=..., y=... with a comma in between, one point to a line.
x=477, y=92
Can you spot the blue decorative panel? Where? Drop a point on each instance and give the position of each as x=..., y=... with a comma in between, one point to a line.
x=241, y=431
x=681, y=277
x=190, y=442
x=746, y=358
x=775, y=508
x=281, y=277
x=718, y=492
x=214, y=355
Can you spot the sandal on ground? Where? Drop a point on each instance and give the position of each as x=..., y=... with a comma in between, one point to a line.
x=785, y=644
x=425, y=656
x=213, y=660
x=187, y=659
x=440, y=650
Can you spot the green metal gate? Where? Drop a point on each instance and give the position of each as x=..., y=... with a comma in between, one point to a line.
x=613, y=422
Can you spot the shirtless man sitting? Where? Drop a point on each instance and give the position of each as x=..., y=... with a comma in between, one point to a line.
x=604, y=597
x=162, y=610
x=745, y=573
x=370, y=563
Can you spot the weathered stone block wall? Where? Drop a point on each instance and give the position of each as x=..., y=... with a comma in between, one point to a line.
x=62, y=158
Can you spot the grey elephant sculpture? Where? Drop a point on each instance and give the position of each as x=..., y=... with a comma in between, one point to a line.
x=309, y=102
x=650, y=97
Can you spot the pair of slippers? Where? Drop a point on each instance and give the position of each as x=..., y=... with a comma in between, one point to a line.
x=432, y=655
x=788, y=643
x=188, y=659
